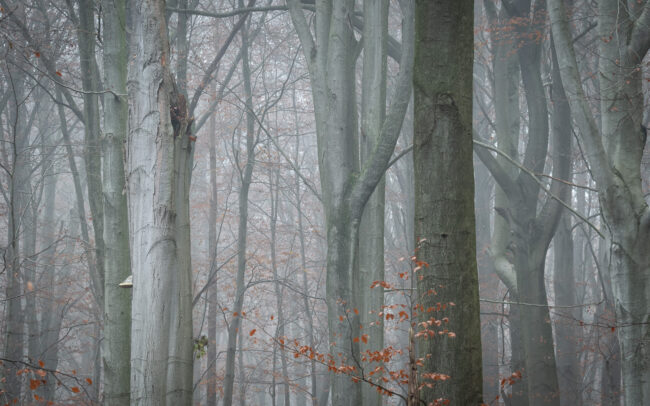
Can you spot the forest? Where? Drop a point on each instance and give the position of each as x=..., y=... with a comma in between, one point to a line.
x=325, y=202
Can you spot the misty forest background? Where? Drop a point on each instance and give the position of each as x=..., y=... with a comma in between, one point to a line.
x=310, y=202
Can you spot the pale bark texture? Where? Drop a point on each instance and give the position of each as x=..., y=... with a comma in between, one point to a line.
x=211, y=395
x=158, y=169
x=444, y=197
x=92, y=146
x=116, y=345
x=525, y=228
x=371, y=231
x=613, y=151
x=245, y=177
x=346, y=186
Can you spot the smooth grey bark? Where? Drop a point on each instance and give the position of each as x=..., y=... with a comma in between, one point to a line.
x=116, y=345
x=245, y=177
x=371, y=229
x=50, y=322
x=566, y=334
x=18, y=196
x=308, y=320
x=92, y=145
x=158, y=168
x=531, y=228
x=488, y=283
x=95, y=280
x=614, y=155
x=507, y=122
x=445, y=230
x=31, y=225
x=274, y=186
x=211, y=387
x=240, y=367
x=346, y=187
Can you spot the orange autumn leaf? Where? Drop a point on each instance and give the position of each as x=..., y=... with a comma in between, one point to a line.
x=90, y=381
x=59, y=73
x=34, y=384
x=252, y=332
x=75, y=389
x=41, y=363
x=40, y=373
x=356, y=311
x=341, y=318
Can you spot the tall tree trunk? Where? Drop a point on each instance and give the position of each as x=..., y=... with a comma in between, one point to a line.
x=614, y=154
x=308, y=320
x=18, y=199
x=92, y=146
x=116, y=345
x=346, y=187
x=371, y=232
x=274, y=184
x=159, y=160
x=211, y=397
x=445, y=227
x=245, y=177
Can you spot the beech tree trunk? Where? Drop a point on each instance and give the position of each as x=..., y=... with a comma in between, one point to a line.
x=444, y=198
x=159, y=161
x=116, y=345
x=614, y=151
x=346, y=187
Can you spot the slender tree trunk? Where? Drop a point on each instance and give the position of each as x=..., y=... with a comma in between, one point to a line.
x=212, y=252
x=92, y=146
x=614, y=154
x=371, y=233
x=274, y=183
x=445, y=227
x=331, y=58
x=18, y=198
x=245, y=178
x=116, y=345
x=309, y=322
x=568, y=369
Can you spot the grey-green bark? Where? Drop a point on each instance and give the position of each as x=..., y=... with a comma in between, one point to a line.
x=245, y=177
x=346, y=186
x=116, y=345
x=274, y=186
x=92, y=144
x=566, y=333
x=371, y=231
x=211, y=387
x=530, y=227
x=444, y=196
x=158, y=171
x=18, y=197
x=614, y=150
x=308, y=320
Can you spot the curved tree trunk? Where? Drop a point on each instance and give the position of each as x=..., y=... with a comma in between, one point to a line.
x=614, y=153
